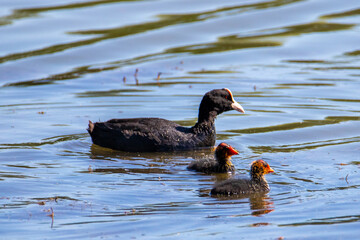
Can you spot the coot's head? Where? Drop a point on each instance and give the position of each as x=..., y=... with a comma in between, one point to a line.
x=218, y=101
x=224, y=152
x=259, y=168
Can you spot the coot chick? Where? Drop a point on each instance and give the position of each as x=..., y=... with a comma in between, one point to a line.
x=157, y=134
x=221, y=163
x=257, y=182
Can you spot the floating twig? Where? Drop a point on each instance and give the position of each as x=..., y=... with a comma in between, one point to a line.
x=158, y=76
x=136, y=75
x=52, y=217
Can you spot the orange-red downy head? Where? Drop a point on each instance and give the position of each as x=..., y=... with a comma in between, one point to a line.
x=226, y=149
x=260, y=166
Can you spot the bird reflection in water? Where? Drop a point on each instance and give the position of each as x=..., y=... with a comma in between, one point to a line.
x=261, y=204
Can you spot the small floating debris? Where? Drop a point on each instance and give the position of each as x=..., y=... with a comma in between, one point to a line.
x=52, y=213
x=133, y=211
x=136, y=76
x=158, y=76
x=54, y=199
x=52, y=216
x=260, y=224
x=342, y=164
x=136, y=73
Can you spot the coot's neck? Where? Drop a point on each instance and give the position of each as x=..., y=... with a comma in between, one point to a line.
x=222, y=159
x=207, y=116
x=206, y=121
x=228, y=165
x=225, y=164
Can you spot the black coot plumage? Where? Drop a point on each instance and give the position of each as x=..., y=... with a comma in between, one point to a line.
x=256, y=184
x=156, y=134
x=221, y=163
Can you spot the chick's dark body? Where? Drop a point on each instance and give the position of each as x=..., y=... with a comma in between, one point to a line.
x=211, y=166
x=221, y=163
x=237, y=186
x=234, y=186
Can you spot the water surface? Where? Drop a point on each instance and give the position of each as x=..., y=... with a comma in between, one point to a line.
x=293, y=65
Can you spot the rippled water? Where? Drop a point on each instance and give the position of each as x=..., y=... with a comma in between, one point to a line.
x=293, y=65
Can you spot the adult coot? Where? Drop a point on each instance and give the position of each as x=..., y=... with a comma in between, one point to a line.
x=221, y=163
x=257, y=182
x=157, y=134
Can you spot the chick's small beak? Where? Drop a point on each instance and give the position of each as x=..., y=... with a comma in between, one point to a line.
x=270, y=170
x=236, y=106
x=232, y=151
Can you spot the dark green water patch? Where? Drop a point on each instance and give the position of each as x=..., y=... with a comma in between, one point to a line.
x=353, y=53
x=303, y=146
x=45, y=141
x=304, y=124
x=112, y=93
x=306, y=84
x=36, y=11
x=106, y=34
x=235, y=42
x=326, y=221
x=343, y=14
x=341, y=100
